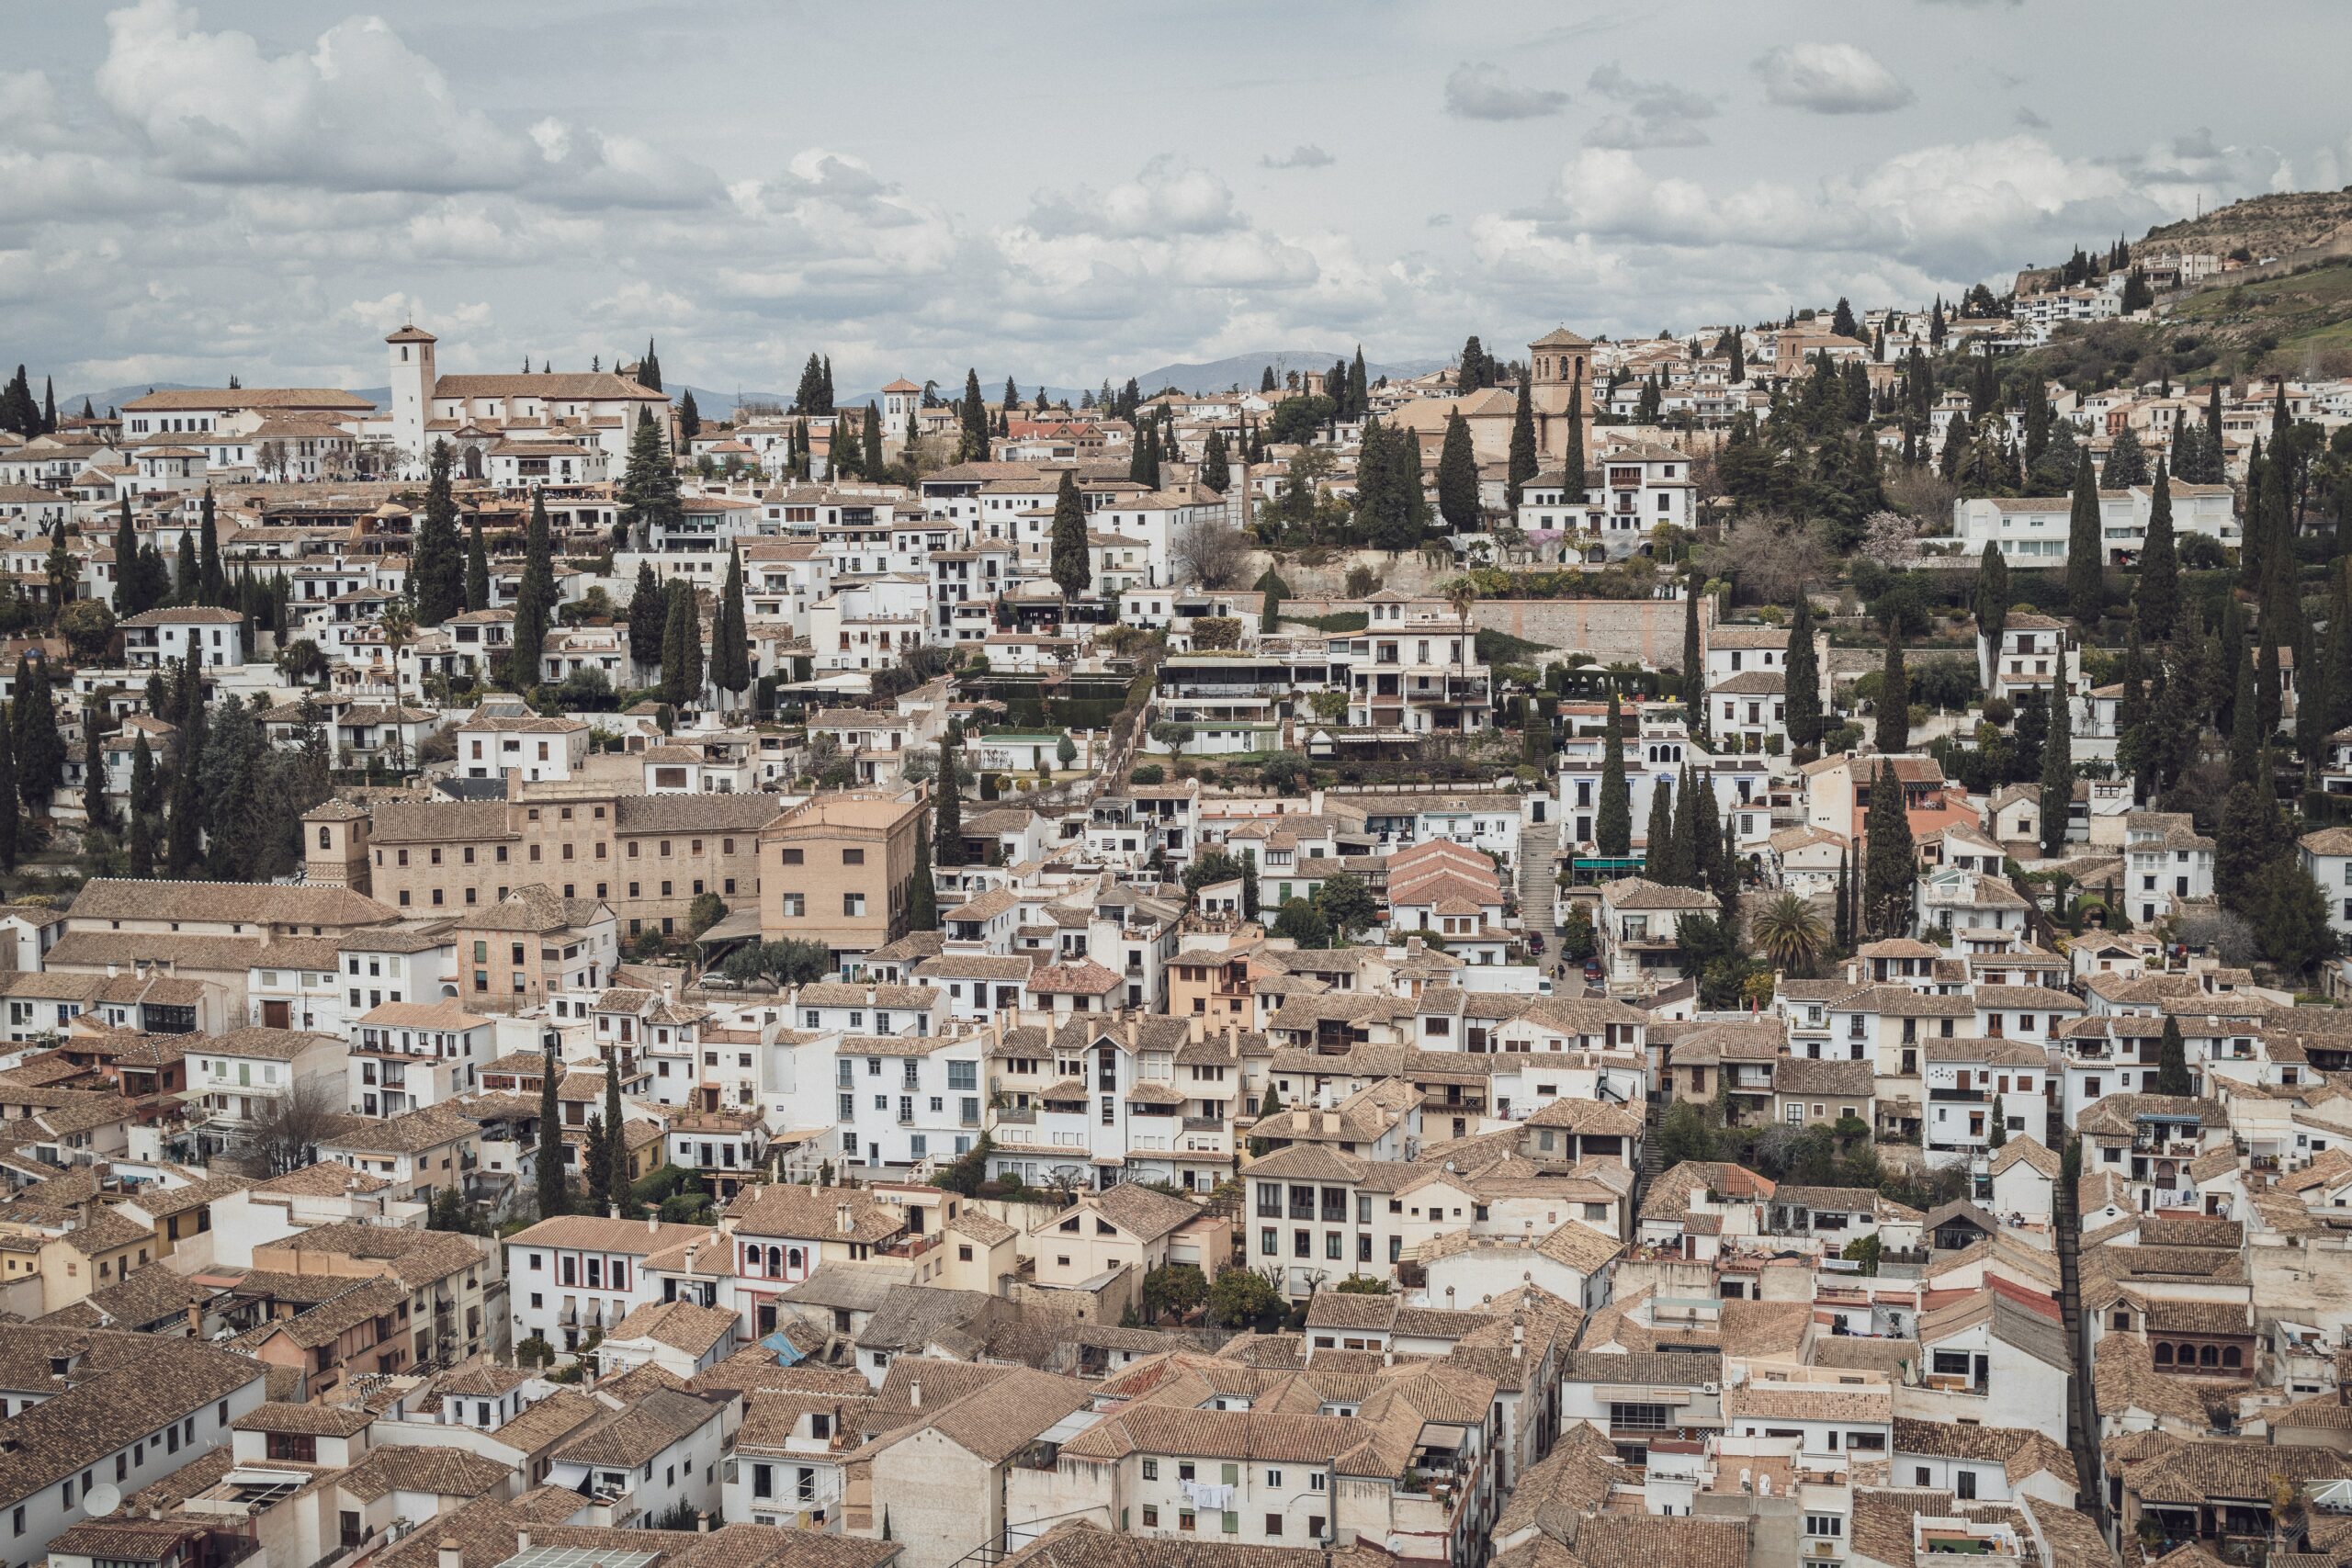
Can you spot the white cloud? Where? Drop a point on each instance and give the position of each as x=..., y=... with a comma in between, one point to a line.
x=1166, y=197
x=360, y=111
x=1830, y=78
x=1486, y=92
x=1306, y=156
x=1656, y=114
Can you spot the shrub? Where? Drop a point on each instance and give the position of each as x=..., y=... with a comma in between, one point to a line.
x=1149, y=773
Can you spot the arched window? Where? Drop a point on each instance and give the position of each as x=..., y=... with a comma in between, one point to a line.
x=776, y=1261
x=2230, y=1355
x=326, y=838
x=792, y=1260
x=2207, y=1356
x=2164, y=1354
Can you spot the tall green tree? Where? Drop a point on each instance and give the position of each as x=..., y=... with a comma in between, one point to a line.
x=870, y=440
x=2159, y=595
x=1457, y=476
x=1217, y=468
x=1801, y=681
x=1523, y=458
x=2171, y=1062
x=689, y=416
x=649, y=493
x=1992, y=596
x=1844, y=934
x=972, y=413
x=1890, y=864
x=96, y=809
x=143, y=778
x=1572, y=460
x=649, y=614
x=947, y=808
x=2057, y=775
x=1695, y=663
x=477, y=567
x=616, y=1194
x=681, y=660
x=10, y=831
x=922, y=891
x=138, y=585
x=549, y=1163
x=1893, y=712
x=2127, y=462
x=1664, y=850
x=212, y=585
x=2084, y=589
x=534, y=601
x=730, y=652
x=1613, y=823
x=438, y=566
x=1071, y=562
x=41, y=750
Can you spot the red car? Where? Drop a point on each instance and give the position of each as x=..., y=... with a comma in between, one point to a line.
x=1592, y=968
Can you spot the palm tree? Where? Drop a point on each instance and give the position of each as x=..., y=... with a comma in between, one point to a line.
x=1461, y=593
x=1790, y=932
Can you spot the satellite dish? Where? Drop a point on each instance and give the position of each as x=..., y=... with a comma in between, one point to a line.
x=101, y=1500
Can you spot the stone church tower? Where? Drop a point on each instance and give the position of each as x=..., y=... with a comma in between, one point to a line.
x=334, y=846
x=1558, y=362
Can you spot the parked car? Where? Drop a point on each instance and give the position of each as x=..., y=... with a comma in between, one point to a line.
x=1592, y=968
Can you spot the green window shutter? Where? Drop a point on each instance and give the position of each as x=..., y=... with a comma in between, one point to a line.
x=1232, y=1522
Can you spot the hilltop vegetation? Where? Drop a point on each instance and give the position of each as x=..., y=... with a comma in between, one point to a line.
x=2261, y=225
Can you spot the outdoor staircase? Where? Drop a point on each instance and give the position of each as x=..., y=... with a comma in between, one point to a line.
x=1539, y=855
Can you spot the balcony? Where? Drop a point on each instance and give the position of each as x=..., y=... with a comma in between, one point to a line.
x=1017, y=1116
x=1959, y=1096
x=1205, y=1123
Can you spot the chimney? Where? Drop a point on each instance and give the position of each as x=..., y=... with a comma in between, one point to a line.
x=1330, y=1120
x=842, y=1221
x=914, y=1394
x=522, y=1542
x=612, y=1211
x=1131, y=1032
x=447, y=1555
x=652, y=1219
x=702, y=1521
x=196, y=1321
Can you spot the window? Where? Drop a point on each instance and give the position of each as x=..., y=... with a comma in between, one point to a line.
x=1273, y=1524
x=1151, y=1469
x=1963, y=1486
x=852, y=857
x=1825, y=1524
x=1150, y=1516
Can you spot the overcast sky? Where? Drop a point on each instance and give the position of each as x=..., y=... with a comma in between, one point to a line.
x=188, y=191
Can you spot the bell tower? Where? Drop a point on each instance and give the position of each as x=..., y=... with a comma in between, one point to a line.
x=412, y=381
x=334, y=846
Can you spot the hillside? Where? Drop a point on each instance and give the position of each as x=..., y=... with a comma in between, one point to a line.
x=2263, y=225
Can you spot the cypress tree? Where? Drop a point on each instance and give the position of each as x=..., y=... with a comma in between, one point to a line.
x=2057, y=774
x=2244, y=720
x=1572, y=462
x=534, y=601
x=731, y=655
x=1894, y=719
x=872, y=442
x=143, y=843
x=1800, y=685
x=1216, y=469
x=1457, y=476
x=1694, y=664
x=41, y=750
x=1250, y=884
x=2171, y=1062
x=1890, y=869
x=2084, y=595
x=1522, y=443
x=186, y=574
x=1662, y=848
x=9, y=830
x=1844, y=935
x=617, y=1195
x=2268, y=682
x=649, y=613
x=143, y=778
x=1359, y=387
x=689, y=416
x=973, y=447
x=212, y=585
x=1724, y=873
x=95, y=806
x=947, y=810
x=437, y=568
x=184, y=840
x=131, y=586
x=682, y=648
x=2159, y=595
x=549, y=1173
x=596, y=1161
x=1612, y=825
x=649, y=492
x=477, y=567
x=923, y=892
x=1073, y=570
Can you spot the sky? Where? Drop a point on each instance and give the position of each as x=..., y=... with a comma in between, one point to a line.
x=196, y=188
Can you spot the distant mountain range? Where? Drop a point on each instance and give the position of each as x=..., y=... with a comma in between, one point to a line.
x=1245, y=370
